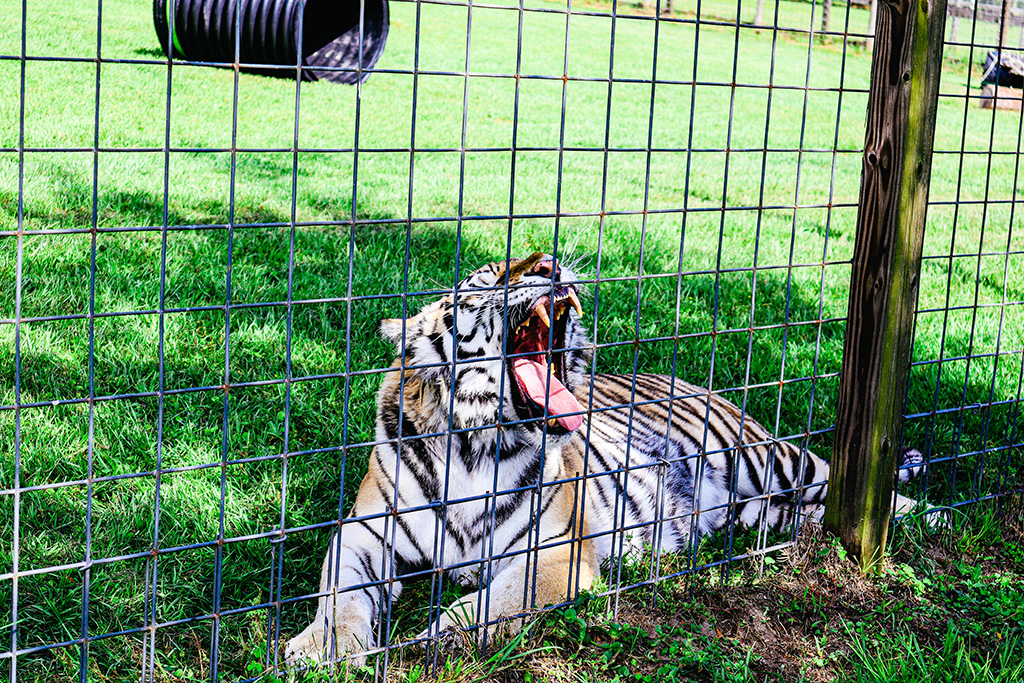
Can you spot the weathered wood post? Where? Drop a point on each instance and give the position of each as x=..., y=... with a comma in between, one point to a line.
x=872, y=22
x=885, y=275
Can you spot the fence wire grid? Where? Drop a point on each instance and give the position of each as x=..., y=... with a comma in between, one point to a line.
x=195, y=260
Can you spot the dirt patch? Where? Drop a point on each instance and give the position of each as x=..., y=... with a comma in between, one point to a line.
x=797, y=621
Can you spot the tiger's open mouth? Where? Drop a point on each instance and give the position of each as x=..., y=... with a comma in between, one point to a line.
x=537, y=343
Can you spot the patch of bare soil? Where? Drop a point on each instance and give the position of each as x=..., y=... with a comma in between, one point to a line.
x=798, y=619
x=789, y=620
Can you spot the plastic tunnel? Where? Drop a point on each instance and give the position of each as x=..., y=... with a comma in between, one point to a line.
x=207, y=31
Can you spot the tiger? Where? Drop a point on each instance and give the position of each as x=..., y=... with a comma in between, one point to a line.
x=502, y=462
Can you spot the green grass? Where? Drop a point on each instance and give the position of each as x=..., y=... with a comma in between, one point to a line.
x=253, y=494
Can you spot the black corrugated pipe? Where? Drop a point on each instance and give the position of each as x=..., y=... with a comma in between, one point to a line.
x=204, y=31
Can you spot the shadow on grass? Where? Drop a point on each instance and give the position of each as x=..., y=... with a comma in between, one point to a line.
x=150, y=52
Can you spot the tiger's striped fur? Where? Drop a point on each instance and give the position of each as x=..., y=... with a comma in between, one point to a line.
x=467, y=480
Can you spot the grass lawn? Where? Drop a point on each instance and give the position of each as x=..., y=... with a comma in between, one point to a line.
x=328, y=209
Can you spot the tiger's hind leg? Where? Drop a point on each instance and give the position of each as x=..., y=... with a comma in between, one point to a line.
x=786, y=468
x=912, y=466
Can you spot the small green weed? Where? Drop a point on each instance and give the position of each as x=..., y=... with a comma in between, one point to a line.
x=900, y=658
x=613, y=651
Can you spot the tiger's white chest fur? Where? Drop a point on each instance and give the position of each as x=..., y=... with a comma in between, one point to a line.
x=487, y=503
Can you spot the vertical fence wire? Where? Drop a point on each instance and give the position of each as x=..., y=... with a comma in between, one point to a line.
x=18, y=271
x=734, y=471
x=800, y=482
x=769, y=468
x=1008, y=440
x=86, y=573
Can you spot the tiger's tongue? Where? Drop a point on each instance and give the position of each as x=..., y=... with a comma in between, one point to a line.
x=533, y=378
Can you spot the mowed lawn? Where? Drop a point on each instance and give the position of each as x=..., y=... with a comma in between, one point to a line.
x=327, y=208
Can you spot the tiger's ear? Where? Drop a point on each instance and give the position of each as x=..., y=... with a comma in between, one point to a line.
x=391, y=328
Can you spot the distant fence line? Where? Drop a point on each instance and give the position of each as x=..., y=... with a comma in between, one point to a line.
x=991, y=12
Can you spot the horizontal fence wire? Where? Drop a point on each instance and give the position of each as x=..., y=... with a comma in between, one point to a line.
x=195, y=261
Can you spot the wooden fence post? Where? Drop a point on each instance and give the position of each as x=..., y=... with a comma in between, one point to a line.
x=885, y=275
x=872, y=23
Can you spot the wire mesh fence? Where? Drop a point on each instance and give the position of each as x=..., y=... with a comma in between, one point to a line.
x=195, y=263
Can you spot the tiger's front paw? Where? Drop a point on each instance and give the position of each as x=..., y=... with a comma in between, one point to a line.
x=316, y=645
